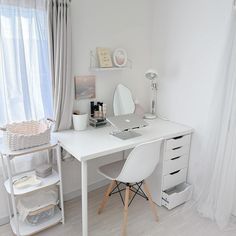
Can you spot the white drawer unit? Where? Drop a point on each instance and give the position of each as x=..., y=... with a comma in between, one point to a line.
x=178, y=141
x=176, y=152
x=174, y=178
x=177, y=195
x=174, y=164
x=168, y=182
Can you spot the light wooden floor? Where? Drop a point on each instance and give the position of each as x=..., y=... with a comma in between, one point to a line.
x=181, y=221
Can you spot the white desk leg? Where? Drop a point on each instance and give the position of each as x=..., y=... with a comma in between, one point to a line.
x=84, y=194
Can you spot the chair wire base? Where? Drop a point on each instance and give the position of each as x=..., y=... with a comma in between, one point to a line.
x=135, y=188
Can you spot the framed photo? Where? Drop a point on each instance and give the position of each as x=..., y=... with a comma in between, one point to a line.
x=85, y=87
x=104, y=57
x=120, y=57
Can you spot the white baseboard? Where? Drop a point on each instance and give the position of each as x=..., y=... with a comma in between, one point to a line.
x=68, y=196
x=4, y=220
x=91, y=187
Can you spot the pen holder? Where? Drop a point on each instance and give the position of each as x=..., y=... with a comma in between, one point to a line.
x=80, y=121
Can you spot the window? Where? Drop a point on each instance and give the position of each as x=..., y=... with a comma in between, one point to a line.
x=25, y=84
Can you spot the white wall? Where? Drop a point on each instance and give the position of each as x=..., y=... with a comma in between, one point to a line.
x=188, y=39
x=108, y=23
x=113, y=24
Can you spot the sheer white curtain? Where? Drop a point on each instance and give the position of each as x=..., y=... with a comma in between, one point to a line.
x=218, y=173
x=25, y=79
x=25, y=84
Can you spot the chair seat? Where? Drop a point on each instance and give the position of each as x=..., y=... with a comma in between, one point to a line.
x=111, y=171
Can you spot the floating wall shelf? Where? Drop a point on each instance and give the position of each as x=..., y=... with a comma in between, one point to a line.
x=94, y=65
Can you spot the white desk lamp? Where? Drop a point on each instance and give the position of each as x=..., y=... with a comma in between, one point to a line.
x=153, y=76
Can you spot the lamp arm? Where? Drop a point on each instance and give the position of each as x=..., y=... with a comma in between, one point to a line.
x=154, y=85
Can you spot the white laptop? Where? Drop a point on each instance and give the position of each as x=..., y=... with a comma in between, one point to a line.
x=127, y=122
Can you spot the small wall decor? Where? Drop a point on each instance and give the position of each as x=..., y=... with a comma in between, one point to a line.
x=85, y=87
x=104, y=57
x=120, y=57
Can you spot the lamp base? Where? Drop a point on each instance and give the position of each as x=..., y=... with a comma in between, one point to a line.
x=150, y=116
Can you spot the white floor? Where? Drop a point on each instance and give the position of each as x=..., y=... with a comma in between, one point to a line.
x=182, y=221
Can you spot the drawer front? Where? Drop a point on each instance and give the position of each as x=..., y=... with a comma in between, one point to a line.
x=178, y=142
x=176, y=152
x=182, y=193
x=175, y=163
x=174, y=179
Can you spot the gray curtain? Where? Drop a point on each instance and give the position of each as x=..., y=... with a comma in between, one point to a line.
x=59, y=21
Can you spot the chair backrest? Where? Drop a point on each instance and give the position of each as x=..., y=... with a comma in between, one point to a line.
x=141, y=162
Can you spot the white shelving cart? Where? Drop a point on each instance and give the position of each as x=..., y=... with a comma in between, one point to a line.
x=18, y=227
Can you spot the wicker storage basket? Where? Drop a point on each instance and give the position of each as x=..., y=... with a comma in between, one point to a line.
x=26, y=134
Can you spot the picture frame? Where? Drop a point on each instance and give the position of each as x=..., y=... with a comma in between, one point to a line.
x=85, y=87
x=120, y=57
x=104, y=57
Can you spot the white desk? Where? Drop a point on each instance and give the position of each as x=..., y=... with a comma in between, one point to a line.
x=97, y=142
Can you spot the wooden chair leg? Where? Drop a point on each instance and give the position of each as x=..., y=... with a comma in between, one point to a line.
x=124, y=226
x=106, y=196
x=152, y=205
x=131, y=194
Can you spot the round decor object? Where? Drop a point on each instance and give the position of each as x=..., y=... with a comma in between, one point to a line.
x=120, y=57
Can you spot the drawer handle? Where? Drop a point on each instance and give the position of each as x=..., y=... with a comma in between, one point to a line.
x=175, y=158
x=176, y=148
x=175, y=172
x=178, y=137
x=165, y=200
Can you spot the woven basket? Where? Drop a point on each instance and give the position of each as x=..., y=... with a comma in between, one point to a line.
x=26, y=134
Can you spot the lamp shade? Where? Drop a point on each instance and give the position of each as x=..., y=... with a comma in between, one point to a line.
x=151, y=74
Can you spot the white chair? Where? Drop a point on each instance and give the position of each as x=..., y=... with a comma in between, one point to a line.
x=132, y=172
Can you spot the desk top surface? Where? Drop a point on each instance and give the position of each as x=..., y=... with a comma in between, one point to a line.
x=96, y=142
